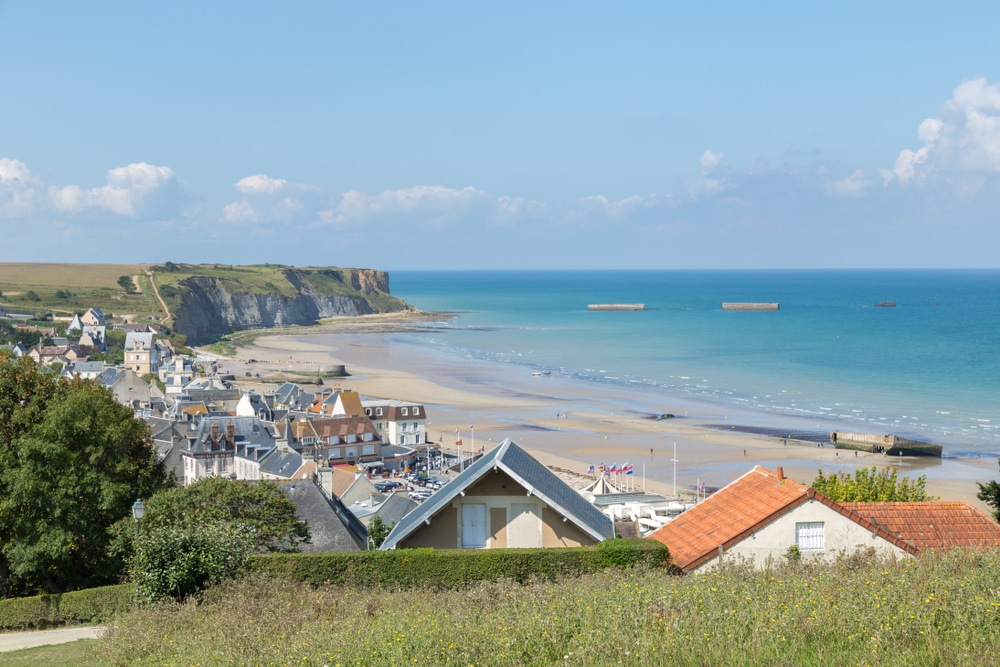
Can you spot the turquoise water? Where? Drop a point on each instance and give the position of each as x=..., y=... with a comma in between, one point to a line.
x=927, y=368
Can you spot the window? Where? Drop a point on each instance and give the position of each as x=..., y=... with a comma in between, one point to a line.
x=335, y=453
x=368, y=411
x=415, y=425
x=367, y=437
x=404, y=412
x=402, y=439
x=416, y=411
x=378, y=412
x=809, y=536
x=367, y=450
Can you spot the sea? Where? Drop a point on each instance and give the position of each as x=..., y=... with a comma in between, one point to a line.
x=927, y=367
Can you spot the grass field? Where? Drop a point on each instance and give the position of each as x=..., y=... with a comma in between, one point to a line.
x=80, y=652
x=939, y=609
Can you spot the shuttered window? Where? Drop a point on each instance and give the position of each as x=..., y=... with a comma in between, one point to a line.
x=809, y=536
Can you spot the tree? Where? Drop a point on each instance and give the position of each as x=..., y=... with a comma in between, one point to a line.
x=31, y=296
x=871, y=485
x=177, y=562
x=72, y=462
x=378, y=531
x=989, y=493
x=126, y=283
x=259, y=508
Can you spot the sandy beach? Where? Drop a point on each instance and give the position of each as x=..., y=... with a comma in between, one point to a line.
x=568, y=423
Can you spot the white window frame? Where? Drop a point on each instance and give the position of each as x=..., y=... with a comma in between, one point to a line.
x=810, y=537
x=404, y=412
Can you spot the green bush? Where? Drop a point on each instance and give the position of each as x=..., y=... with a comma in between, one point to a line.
x=456, y=568
x=93, y=605
x=178, y=562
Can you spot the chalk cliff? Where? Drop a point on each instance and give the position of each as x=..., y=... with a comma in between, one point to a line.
x=212, y=306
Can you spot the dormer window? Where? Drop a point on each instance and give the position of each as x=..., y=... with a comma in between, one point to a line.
x=404, y=412
x=416, y=412
x=378, y=412
x=368, y=411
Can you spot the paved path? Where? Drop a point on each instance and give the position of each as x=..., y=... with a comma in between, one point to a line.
x=11, y=641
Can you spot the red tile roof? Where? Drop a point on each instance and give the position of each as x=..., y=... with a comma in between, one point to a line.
x=932, y=525
x=746, y=505
x=725, y=517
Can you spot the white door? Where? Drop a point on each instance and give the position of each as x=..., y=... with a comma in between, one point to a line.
x=525, y=527
x=473, y=526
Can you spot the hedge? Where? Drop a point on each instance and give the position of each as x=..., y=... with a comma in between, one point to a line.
x=455, y=568
x=93, y=605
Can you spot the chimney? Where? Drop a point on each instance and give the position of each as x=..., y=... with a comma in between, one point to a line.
x=231, y=432
x=781, y=474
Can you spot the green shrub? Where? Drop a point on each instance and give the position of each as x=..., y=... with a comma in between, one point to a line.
x=456, y=568
x=92, y=605
x=177, y=562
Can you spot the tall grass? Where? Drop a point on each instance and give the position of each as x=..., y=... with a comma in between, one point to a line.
x=935, y=610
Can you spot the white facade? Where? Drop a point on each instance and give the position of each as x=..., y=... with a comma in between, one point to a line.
x=819, y=531
x=398, y=423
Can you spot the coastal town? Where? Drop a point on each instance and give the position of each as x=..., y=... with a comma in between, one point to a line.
x=346, y=459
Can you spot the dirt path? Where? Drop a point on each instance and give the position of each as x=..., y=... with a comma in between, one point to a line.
x=163, y=304
x=136, y=285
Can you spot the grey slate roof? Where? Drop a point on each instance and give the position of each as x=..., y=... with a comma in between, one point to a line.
x=392, y=511
x=530, y=474
x=331, y=526
x=111, y=376
x=281, y=464
x=144, y=340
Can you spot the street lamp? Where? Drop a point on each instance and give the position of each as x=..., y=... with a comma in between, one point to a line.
x=138, y=511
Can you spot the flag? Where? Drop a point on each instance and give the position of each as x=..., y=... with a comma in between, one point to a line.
x=702, y=485
x=601, y=467
x=614, y=468
x=627, y=469
x=458, y=443
x=590, y=470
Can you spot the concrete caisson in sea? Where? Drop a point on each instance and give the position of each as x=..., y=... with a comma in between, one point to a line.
x=891, y=445
x=743, y=305
x=616, y=306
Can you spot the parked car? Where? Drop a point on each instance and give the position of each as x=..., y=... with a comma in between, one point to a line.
x=419, y=496
x=384, y=487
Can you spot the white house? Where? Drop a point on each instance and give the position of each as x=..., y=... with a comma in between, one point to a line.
x=398, y=422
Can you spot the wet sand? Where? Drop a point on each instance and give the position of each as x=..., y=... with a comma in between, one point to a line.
x=570, y=423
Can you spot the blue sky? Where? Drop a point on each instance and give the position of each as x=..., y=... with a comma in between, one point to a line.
x=433, y=135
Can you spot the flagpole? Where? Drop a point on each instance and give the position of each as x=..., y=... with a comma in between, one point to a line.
x=472, y=428
x=675, y=468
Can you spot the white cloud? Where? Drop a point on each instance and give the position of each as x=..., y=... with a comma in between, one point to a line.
x=855, y=185
x=19, y=189
x=512, y=209
x=437, y=204
x=964, y=140
x=710, y=159
x=128, y=191
x=239, y=211
x=260, y=184
x=626, y=207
